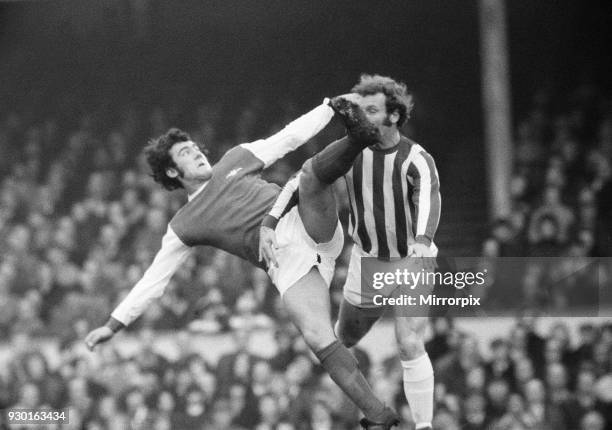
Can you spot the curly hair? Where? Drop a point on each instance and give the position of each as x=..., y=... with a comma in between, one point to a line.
x=157, y=153
x=397, y=97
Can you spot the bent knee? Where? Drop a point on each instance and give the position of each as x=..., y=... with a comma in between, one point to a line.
x=411, y=344
x=309, y=183
x=349, y=338
x=317, y=337
x=350, y=333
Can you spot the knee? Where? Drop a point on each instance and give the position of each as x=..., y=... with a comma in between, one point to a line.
x=348, y=337
x=308, y=179
x=411, y=344
x=317, y=336
x=351, y=330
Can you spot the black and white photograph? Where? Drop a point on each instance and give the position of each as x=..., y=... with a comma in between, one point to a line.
x=306, y=215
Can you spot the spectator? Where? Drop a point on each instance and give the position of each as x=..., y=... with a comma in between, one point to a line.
x=192, y=415
x=500, y=365
x=592, y=421
x=221, y=416
x=546, y=238
x=540, y=414
x=475, y=413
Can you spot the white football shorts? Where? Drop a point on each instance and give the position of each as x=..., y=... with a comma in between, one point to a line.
x=297, y=253
x=358, y=290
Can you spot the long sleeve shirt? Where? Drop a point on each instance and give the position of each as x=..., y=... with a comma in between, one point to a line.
x=225, y=212
x=394, y=199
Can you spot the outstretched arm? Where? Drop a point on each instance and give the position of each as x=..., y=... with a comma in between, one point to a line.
x=150, y=287
x=294, y=135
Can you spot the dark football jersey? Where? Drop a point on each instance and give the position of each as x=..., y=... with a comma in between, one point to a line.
x=227, y=213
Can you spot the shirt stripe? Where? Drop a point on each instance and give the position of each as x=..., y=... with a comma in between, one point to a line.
x=422, y=194
x=435, y=199
x=378, y=203
x=406, y=186
x=368, y=201
x=348, y=179
x=398, y=200
x=389, y=202
x=364, y=239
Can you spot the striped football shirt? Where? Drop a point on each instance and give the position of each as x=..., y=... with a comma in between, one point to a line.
x=394, y=199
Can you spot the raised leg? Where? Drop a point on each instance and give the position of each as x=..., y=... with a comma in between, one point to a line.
x=317, y=204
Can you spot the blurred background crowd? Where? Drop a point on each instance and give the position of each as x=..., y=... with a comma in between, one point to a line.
x=560, y=188
x=80, y=218
x=522, y=380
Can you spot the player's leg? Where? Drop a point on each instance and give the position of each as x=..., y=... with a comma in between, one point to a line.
x=317, y=204
x=355, y=322
x=357, y=310
x=417, y=369
x=307, y=302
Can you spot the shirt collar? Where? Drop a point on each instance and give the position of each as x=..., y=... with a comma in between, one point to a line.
x=191, y=196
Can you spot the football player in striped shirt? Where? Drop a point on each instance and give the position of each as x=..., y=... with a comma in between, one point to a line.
x=225, y=208
x=393, y=188
x=394, y=195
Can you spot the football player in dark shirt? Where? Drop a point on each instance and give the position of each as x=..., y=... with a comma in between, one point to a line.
x=226, y=205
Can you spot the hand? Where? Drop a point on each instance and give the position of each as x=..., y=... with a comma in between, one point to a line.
x=267, y=246
x=99, y=335
x=420, y=250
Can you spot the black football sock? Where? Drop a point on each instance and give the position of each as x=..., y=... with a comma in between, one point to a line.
x=342, y=367
x=336, y=159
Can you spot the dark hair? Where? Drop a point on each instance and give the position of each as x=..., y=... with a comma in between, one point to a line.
x=397, y=97
x=158, y=156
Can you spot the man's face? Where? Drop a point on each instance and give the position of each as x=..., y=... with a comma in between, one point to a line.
x=191, y=163
x=376, y=111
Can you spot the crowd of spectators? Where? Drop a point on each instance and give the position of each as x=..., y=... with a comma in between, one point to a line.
x=520, y=381
x=561, y=192
x=563, y=164
x=80, y=221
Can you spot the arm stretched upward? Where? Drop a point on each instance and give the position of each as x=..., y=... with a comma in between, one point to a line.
x=294, y=135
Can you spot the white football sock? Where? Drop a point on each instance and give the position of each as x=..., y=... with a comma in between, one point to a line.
x=419, y=389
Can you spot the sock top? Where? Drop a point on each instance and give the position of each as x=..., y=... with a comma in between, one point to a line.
x=322, y=354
